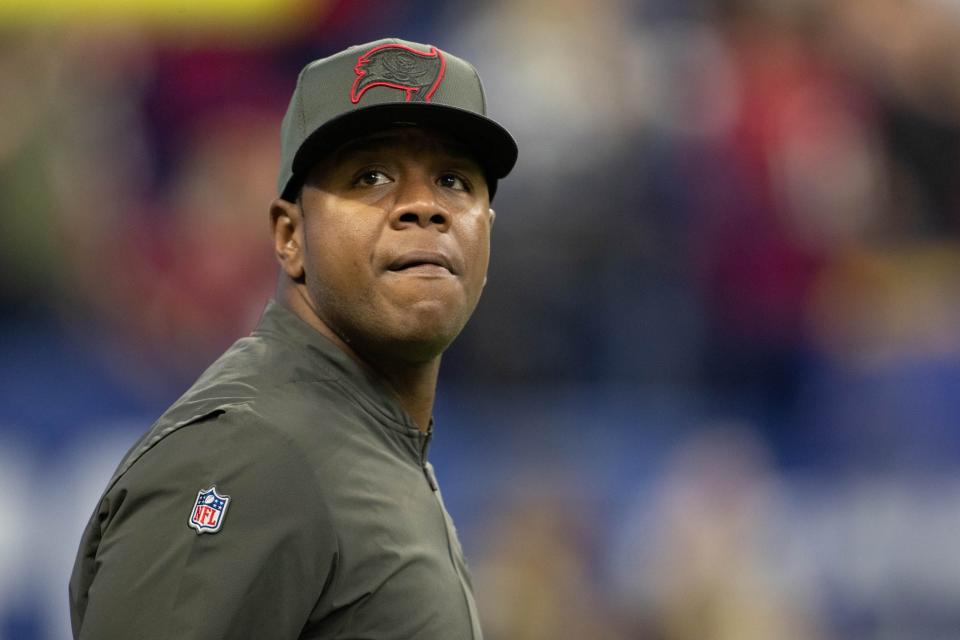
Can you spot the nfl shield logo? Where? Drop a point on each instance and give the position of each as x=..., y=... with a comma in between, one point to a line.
x=209, y=510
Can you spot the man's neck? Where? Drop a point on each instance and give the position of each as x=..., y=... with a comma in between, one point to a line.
x=414, y=385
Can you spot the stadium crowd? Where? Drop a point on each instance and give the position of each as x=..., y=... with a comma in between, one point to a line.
x=713, y=386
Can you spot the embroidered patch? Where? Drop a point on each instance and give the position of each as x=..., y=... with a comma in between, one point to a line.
x=396, y=66
x=208, y=512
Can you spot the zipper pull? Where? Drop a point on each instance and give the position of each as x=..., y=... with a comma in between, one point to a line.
x=431, y=478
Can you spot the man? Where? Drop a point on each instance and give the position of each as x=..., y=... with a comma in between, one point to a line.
x=287, y=494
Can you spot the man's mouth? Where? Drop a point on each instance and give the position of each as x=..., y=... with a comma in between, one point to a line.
x=422, y=262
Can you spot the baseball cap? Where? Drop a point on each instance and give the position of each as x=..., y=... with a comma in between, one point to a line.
x=381, y=84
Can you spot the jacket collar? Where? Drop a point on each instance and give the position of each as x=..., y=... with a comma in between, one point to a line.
x=321, y=359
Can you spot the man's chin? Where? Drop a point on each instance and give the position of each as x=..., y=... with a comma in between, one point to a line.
x=425, y=332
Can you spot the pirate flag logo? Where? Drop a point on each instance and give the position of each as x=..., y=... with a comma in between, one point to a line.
x=416, y=73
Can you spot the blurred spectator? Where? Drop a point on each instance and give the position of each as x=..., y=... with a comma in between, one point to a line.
x=703, y=562
x=534, y=579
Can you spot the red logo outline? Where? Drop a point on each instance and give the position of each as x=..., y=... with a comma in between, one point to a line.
x=365, y=59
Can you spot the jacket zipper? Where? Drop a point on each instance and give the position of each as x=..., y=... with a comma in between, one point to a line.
x=427, y=469
x=447, y=526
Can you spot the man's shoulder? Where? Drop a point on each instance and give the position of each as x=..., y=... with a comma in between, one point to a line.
x=255, y=395
x=269, y=376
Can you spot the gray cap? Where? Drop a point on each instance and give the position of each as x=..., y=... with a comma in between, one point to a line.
x=381, y=84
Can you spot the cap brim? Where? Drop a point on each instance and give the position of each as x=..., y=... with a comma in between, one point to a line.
x=495, y=148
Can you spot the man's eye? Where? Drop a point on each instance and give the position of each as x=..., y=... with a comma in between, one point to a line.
x=372, y=178
x=453, y=181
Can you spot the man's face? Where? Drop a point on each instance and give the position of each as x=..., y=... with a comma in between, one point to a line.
x=396, y=242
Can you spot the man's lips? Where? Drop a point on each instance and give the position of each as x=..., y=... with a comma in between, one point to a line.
x=426, y=261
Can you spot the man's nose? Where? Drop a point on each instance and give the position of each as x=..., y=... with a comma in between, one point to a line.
x=417, y=204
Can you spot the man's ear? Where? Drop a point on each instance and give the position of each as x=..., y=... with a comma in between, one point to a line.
x=286, y=220
x=493, y=217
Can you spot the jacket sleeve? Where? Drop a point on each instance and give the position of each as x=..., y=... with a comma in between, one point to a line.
x=258, y=576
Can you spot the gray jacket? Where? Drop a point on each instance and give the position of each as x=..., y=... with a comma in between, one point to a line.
x=285, y=495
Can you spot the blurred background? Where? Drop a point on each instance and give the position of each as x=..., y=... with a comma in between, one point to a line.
x=713, y=388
